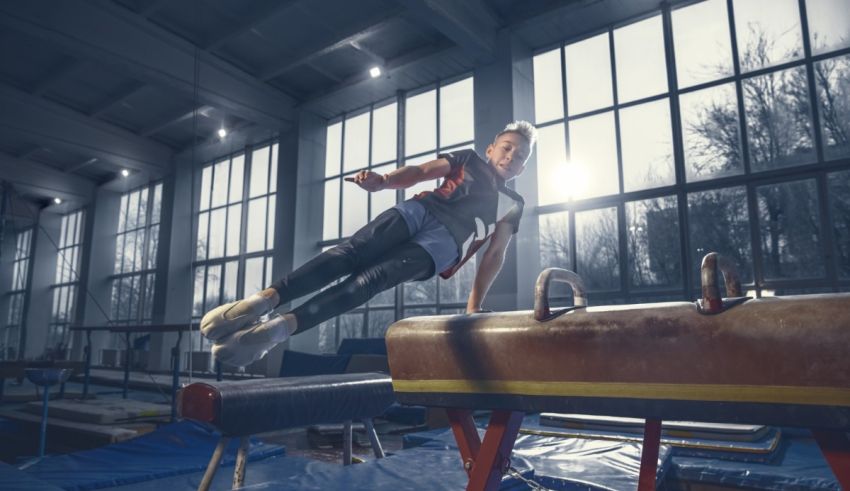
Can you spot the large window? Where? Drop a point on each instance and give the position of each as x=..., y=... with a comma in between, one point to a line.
x=66, y=283
x=136, y=243
x=434, y=120
x=741, y=149
x=235, y=218
x=10, y=341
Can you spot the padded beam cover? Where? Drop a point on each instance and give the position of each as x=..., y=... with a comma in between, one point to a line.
x=780, y=361
x=247, y=407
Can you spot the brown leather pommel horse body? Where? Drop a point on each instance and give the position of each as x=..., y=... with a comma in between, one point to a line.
x=781, y=361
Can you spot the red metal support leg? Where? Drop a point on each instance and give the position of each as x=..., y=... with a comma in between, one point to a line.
x=494, y=457
x=649, y=454
x=466, y=436
x=836, y=449
x=486, y=462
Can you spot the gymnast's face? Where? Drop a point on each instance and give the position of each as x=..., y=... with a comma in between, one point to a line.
x=508, y=154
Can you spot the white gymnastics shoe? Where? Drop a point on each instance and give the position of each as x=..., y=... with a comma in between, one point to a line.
x=231, y=317
x=248, y=345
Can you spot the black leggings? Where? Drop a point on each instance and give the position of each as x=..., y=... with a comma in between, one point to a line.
x=377, y=257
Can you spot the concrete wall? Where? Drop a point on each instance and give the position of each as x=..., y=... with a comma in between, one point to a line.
x=99, y=254
x=503, y=94
x=308, y=209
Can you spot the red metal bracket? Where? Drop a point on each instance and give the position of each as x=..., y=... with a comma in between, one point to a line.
x=485, y=462
x=649, y=454
x=836, y=449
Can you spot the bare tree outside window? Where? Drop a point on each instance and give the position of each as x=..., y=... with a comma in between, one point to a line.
x=711, y=133
x=653, y=242
x=839, y=200
x=719, y=222
x=789, y=226
x=598, y=248
x=832, y=79
x=779, y=129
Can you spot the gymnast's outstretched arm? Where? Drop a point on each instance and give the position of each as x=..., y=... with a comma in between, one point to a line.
x=491, y=264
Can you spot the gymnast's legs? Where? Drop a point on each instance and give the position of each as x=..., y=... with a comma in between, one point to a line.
x=377, y=257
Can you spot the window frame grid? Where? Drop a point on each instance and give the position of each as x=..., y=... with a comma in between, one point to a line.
x=56, y=329
x=199, y=342
x=146, y=273
x=819, y=169
x=21, y=265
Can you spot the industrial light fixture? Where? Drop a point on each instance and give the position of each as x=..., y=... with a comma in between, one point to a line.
x=58, y=201
x=125, y=172
x=222, y=132
x=375, y=71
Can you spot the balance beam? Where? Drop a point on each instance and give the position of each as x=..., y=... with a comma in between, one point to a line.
x=778, y=361
x=247, y=407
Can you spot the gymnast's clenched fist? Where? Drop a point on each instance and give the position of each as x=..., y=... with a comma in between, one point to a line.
x=368, y=180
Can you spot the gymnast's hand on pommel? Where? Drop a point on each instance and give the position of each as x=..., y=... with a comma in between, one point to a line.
x=368, y=180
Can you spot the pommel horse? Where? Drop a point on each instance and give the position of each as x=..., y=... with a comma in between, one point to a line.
x=779, y=361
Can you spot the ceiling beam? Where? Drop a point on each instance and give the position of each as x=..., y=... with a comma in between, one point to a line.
x=375, y=57
x=43, y=180
x=177, y=118
x=81, y=165
x=119, y=97
x=30, y=151
x=577, y=17
x=241, y=27
x=55, y=74
x=461, y=22
x=51, y=125
x=108, y=33
x=212, y=147
x=353, y=33
x=325, y=73
x=388, y=83
x=147, y=8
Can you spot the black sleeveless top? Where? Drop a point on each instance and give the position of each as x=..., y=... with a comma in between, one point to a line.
x=467, y=202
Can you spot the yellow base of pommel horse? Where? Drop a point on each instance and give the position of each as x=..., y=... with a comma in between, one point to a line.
x=779, y=361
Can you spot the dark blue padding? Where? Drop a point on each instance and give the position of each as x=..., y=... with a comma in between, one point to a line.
x=431, y=469
x=408, y=415
x=248, y=407
x=564, y=463
x=173, y=449
x=298, y=364
x=800, y=465
x=362, y=346
x=12, y=478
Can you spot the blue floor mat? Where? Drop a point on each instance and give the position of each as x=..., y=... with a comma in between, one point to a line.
x=173, y=449
x=436, y=468
x=13, y=479
x=800, y=466
x=565, y=463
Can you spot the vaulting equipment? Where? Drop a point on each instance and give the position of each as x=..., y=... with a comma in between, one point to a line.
x=128, y=330
x=247, y=407
x=46, y=378
x=779, y=361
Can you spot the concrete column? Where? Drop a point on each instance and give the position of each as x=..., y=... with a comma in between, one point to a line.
x=503, y=94
x=175, y=261
x=97, y=264
x=309, y=206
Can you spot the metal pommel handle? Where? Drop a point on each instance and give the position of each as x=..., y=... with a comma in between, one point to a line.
x=541, y=290
x=712, y=302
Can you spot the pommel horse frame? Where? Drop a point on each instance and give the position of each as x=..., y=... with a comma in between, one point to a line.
x=779, y=361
